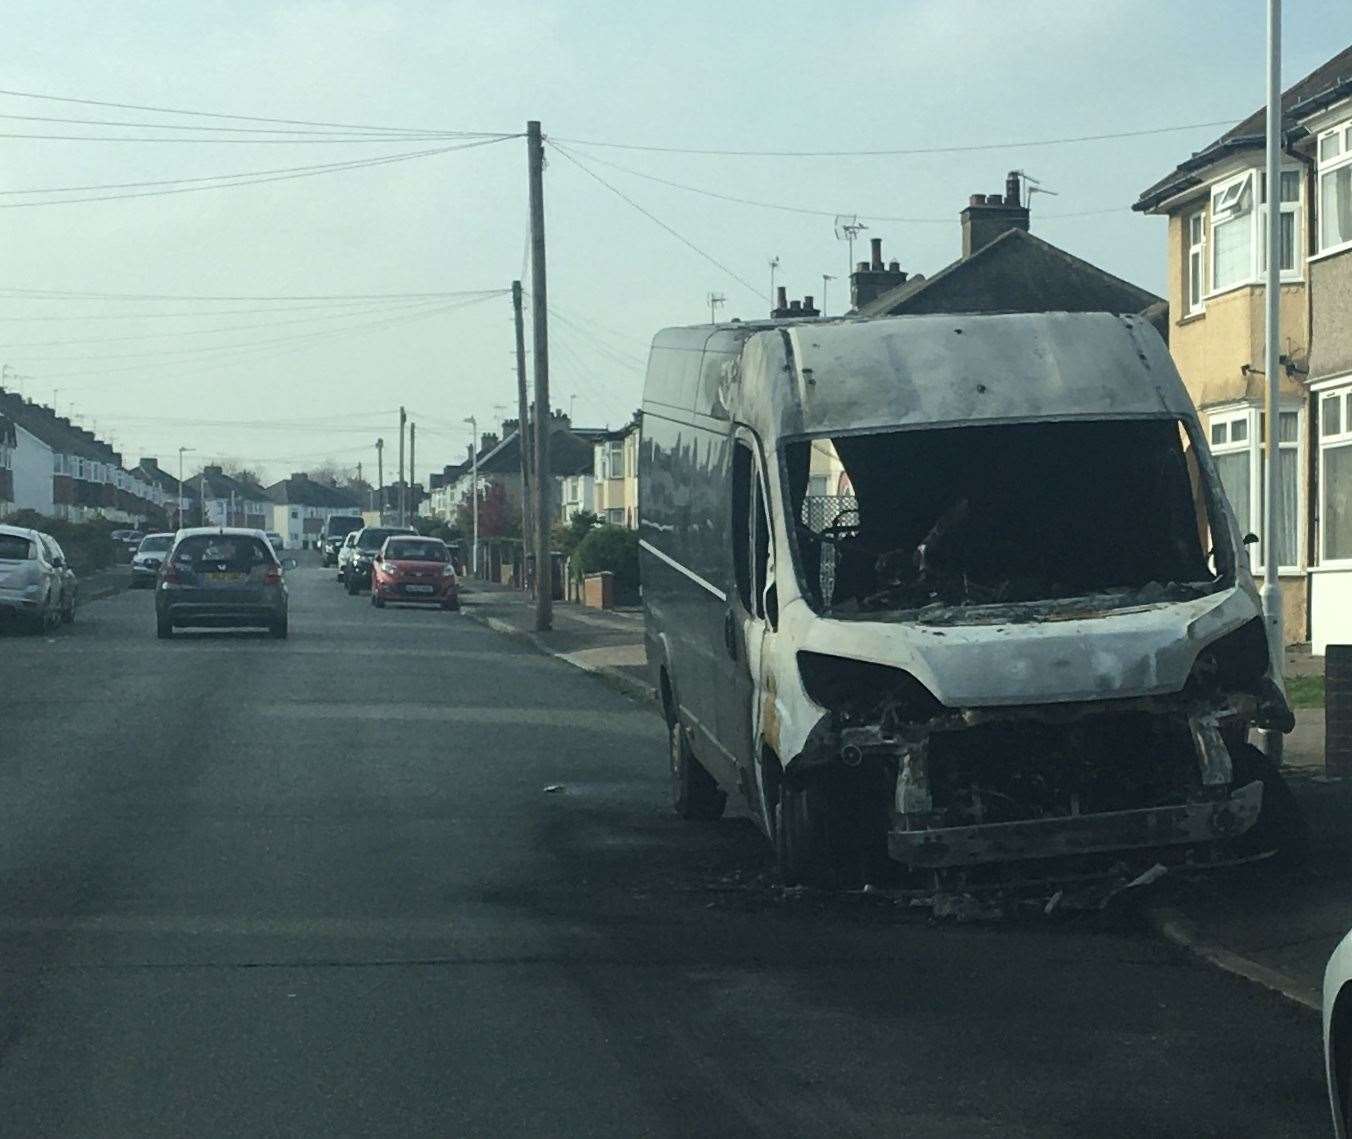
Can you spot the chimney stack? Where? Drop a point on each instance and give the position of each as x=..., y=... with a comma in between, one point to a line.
x=871, y=280
x=987, y=216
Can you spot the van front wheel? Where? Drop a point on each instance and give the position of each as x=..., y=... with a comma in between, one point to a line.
x=694, y=792
x=818, y=833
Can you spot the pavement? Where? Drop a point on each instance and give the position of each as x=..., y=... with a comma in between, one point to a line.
x=1271, y=925
x=401, y=875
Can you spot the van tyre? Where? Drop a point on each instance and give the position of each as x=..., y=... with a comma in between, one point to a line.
x=377, y=601
x=164, y=628
x=278, y=630
x=694, y=792
x=1281, y=824
x=352, y=584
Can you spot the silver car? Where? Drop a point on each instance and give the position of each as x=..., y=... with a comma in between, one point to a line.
x=346, y=552
x=32, y=579
x=149, y=556
x=221, y=576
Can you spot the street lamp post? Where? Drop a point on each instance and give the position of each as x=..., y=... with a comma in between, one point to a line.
x=181, y=452
x=474, y=487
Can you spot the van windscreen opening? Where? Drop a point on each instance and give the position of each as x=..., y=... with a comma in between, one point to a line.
x=1109, y=512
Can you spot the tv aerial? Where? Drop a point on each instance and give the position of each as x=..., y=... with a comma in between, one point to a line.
x=848, y=227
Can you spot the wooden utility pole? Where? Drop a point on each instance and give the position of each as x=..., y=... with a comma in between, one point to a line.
x=544, y=576
x=523, y=432
x=380, y=480
x=412, y=466
x=403, y=419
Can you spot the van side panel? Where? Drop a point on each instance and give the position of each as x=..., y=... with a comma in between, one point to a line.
x=684, y=560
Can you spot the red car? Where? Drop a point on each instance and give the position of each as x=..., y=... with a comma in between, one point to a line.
x=415, y=571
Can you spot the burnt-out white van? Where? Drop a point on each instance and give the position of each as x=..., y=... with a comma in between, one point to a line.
x=951, y=593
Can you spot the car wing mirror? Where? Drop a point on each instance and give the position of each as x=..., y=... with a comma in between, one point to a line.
x=1250, y=539
x=59, y=563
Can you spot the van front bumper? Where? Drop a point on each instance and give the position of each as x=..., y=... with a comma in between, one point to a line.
x=1146, y=828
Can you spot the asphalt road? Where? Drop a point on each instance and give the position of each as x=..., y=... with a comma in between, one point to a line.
x=327, y=887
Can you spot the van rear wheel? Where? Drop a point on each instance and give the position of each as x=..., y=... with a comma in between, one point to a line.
x=694, y=792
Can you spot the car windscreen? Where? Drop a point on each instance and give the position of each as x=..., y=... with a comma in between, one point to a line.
x=14, y=548
x=155, y=544
x=234, y=551
x=897, y=521
x=340, y=526
x=413, y=551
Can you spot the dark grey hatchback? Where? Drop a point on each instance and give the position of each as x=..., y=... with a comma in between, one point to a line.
x=221, y=577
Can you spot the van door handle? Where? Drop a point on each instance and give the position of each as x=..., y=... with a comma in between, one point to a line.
x=730, y=633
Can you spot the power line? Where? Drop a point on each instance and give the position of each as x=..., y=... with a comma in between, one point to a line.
x=386, y=310
x=812, y=211
x=894, y=151
x=658, y=221
x=221, y=177
x=65, y=294
x=249, y=354
x=195, y=314
x=242, y=130
x=220, y=115
x=243, y=141
x=219, y=184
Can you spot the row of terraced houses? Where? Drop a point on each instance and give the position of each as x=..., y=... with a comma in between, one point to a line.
x=59, y=469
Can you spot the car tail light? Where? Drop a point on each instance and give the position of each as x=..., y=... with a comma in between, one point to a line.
x=272, y=576
x=448, y=570
x=171, y=574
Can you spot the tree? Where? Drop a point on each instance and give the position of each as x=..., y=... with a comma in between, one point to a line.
x=566, y=536
x=499, y=513
x=613, y=549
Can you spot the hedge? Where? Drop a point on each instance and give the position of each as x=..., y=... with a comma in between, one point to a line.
x=613, y=548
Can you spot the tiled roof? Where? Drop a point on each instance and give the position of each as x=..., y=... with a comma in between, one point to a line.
x=1329, y=81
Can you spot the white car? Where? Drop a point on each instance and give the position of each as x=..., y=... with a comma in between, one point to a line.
x=1338, y=1035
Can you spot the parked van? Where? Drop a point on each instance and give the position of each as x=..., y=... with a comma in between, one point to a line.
x=949, y=592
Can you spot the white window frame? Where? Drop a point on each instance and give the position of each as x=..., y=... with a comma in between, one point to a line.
x=1196, y=263
x=617, y=451
x=1251, y=415
x=1339, y=389
x=1295, y=273
x=1227, y=200
x=1343, y=132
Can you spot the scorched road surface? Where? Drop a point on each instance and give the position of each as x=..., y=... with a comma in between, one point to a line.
x=401, y=876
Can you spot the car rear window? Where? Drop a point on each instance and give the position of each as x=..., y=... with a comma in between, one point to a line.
x=405, y=550
x=234, y=550
x=15, y=549
x=155, y=545
x=373, y=539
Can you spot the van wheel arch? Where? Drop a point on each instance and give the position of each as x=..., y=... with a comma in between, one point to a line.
x=1340, y=1036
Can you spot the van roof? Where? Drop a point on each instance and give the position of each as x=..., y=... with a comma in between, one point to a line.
x=821, y=376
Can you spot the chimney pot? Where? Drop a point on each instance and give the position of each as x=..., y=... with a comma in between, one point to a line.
x=862, y=267
x=977, y=200
x=1012, y=188
x=877, y=245
x=807, y=302
x=782, y=297
x=795, y=306
x=894, y=266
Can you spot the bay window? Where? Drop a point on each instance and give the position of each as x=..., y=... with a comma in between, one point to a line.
x=1335, y=474
x=1335, y=187
x=1239, y=450
x=1289, y=221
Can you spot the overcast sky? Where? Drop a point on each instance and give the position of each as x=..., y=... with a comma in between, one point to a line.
x=322, y=381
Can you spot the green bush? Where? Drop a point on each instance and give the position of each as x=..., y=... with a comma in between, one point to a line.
x=613, y=549
x=88, y=545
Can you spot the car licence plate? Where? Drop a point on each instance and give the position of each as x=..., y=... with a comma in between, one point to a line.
x=230, y=577
x=417, y=589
